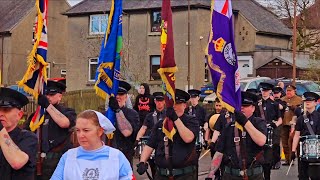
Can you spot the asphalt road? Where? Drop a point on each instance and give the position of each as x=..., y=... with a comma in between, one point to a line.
x=204, y=163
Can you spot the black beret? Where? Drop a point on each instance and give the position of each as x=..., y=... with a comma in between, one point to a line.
x=266, y=86
x=54, y=87
x=277, y=89
x=248, y=98
x=124, y=87
x=194, y=92
x=159, y=96
x=11, y=98
x=310, y=96
x=181, y=96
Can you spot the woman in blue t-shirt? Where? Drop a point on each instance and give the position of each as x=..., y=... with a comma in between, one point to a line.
x=93, y=159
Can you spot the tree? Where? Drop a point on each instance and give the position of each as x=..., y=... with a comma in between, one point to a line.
x=308, y=25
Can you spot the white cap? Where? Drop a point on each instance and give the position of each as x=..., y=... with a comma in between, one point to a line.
x=105, y=123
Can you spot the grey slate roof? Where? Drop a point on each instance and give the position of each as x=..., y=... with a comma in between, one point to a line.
x=300, y=63
x=262, y=19
x=12, y=12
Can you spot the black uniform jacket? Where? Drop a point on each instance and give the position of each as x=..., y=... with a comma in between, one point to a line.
x=271, y=110
x=284, y=104
x=152, y=118
x=56, y=135
x=126, y=144
x=314, y=119
x=27, y=142
x=183, y=154
x=226, y=145
x=197, y=111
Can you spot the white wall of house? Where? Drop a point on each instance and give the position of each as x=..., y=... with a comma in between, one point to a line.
x=245, y=64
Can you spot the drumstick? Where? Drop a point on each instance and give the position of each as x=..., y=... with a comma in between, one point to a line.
x=204, y=154
x=289, y=168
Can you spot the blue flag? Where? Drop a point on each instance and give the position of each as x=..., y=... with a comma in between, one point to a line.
x=108, y=70
x=221, y=53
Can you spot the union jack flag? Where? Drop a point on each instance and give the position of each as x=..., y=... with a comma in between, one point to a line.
x=35, y=78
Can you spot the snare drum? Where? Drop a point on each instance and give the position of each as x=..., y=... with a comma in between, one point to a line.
x=269, y=136
x=310, y=148
x=143, y=141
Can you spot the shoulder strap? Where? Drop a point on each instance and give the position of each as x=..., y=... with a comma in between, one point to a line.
x=154, y=117
x=241, y=149
x=261, y=110
x=307, y=121
x=190, y=110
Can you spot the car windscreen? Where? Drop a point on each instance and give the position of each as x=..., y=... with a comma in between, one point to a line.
x=243, y=85
x=312, y=87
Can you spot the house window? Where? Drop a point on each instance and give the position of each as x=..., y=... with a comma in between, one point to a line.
x=154, y=66
x=93, y=64
x=63, y=73
x=155, y=21
x=98, y=24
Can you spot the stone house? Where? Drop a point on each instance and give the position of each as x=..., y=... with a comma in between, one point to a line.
x=257, y=33
x=16, y=33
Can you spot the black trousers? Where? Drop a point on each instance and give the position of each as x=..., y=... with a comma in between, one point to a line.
x=267, y=165
x=307, y=171
x=189, y=176
x=276, y=153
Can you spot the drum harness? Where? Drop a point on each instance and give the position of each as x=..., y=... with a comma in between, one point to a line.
x=270, y=132
x=241, y=148
x=307, y=122
x=199, y=142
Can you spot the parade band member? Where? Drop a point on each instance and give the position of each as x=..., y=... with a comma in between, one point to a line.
x=293, y=101
x=127, y=122
x=144, y=103
x=307, y=169
x=151, y=120
x=241, y=150
x=179, y=160
x=93, y=159
x=277, y=94
x=211, y=136
x=195, y=109
x=56, y=128
x=269, y=111
x=18, y=148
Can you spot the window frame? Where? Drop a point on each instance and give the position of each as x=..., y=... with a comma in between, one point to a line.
x=152, y=22
x=90, y=62
x=151, y=65
x=101, y=31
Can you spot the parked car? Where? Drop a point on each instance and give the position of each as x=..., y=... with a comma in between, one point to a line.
x=301, y=85
x=210, y=98
x=251, y=82
x=206, y=90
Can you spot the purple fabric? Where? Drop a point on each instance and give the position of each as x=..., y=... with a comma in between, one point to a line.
x=222, y=60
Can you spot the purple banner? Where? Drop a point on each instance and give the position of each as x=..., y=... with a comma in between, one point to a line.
x=221, y=56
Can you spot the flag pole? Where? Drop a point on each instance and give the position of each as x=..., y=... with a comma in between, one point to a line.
x=188, y=78
x=1, y=61
x=294, y=43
